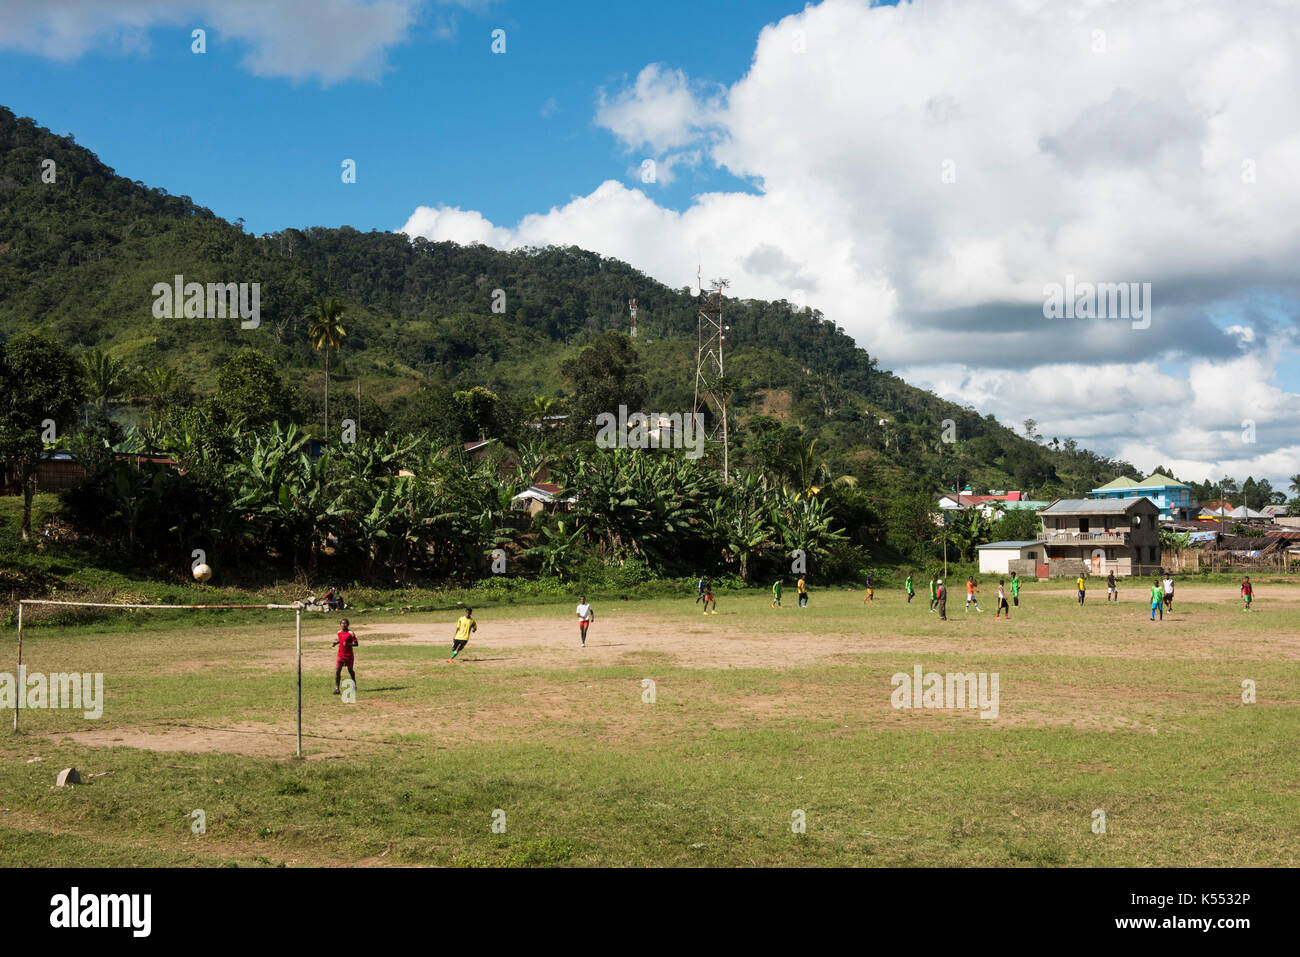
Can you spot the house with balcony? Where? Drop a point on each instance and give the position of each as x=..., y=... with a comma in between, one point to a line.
x=1099, y=536
x=1173, y=498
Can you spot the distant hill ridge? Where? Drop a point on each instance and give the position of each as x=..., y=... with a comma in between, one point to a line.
x=80, y=255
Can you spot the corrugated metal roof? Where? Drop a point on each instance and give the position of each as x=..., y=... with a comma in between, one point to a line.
x=1095, y=506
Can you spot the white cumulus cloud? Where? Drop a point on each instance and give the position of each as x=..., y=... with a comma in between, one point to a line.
x=326, y=40
x=922, y=172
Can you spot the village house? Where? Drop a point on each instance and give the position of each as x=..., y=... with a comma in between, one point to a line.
x=988, y=505
x=1002, y=558
x=1102, y=535
x=542, y=496
x=1172, y=498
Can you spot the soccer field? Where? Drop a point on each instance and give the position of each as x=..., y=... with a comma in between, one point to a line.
x=760, y=723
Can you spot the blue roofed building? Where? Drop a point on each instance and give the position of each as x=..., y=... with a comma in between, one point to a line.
x=1173, y=498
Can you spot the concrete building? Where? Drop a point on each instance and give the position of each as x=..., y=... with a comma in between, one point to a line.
x=1102, y=535
x=996, y=557
x=1173, y=498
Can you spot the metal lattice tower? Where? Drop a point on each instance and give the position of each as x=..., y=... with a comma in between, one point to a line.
x=710, y=372
x=631, y=307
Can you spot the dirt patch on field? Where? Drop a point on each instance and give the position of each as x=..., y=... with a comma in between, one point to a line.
x=253, y=740
x=731, y=641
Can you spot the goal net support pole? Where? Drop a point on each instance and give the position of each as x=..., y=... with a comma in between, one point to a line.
x=296, y=608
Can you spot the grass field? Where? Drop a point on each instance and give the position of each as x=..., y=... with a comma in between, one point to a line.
x=757, y=713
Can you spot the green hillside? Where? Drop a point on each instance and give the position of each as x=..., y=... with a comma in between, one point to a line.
x=80, y=256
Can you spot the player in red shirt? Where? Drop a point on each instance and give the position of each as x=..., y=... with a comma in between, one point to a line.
x=346, y=641
x=1247, y=592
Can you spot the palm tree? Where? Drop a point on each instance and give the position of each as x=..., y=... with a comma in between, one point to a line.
x=542, y=406
x=155, y=387
x=326, y=332
x=811, y=468
x=105, y=379
x=1295, y=484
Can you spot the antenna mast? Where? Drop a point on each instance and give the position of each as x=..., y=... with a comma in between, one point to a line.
x=631, y=307
x=710, y=375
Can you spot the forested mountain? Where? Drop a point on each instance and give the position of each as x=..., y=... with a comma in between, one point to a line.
x=81, y=249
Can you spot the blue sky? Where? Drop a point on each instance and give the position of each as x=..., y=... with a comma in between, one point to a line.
x=922, y=173
x=447, y=122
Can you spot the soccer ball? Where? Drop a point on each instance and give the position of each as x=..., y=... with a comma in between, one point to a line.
x=202, y=573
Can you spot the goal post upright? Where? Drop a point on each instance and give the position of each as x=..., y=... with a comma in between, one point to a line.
x=296, y=607
x=297, y=628
x=18, y=676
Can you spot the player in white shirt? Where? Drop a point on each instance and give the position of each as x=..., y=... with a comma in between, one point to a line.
x=1169, y=592
x=585, y=617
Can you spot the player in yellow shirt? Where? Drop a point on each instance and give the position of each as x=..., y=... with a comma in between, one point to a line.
x=802, y=586
x=465, y=626
x=1082, y=586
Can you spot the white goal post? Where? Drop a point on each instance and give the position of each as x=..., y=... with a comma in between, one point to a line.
x=296, y=607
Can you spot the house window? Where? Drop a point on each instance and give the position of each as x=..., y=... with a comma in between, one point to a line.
x=1083, y=525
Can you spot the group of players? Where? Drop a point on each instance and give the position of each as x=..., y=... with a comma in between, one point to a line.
x=346, y=639
x=1162, y=600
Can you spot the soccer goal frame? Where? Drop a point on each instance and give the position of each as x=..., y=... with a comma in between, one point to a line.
x=296, y=607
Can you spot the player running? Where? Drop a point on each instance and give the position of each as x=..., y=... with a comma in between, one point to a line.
x=1112, y=591
x=585, y=617
x=970, y=595
x=802, y=586
x=1015, y=590
x=1002, y=600
x=1247, y=593
x=871, y=589
x=465, y=626
x=346, y=641
x=934, y=592
x=776, y=592
x=708, y=597
x=1157, y=599
x=699, y=588
x=911, y=591
x=1169, y=592
x=1082, y=586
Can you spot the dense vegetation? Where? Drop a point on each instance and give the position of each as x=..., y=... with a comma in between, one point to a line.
x=421, y=346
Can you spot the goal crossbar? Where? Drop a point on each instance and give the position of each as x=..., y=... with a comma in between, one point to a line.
x=296, y=607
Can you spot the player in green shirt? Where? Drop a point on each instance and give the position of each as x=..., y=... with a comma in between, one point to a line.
x=934, y=592
x=1157, y=600
x=776, y=593
x=1015, y=590
x=910, y=590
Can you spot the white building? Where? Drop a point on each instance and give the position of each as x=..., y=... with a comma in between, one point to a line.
x=996, y=557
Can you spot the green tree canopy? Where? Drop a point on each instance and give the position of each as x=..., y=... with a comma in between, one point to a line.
x=250, y=393
x=41, y=391
x=605, y=375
